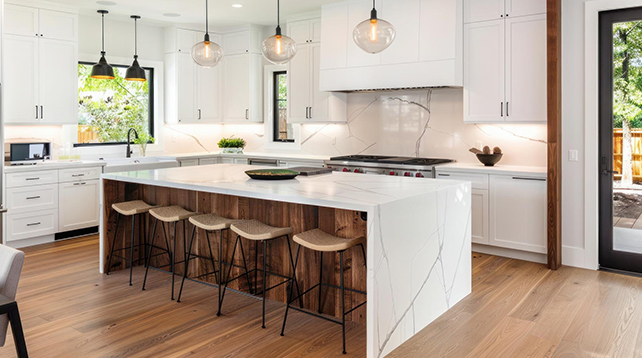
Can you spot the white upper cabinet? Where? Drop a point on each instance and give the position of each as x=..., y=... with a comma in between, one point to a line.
x=427, y=51
x=40, y=66
x=304, y=31
x=243, y=41
x=242, y=88
x=484, y=71
x=526, y=69
x=58, y=73
x=299, y=85
x=21, y=85
x=483, y=10
x=58, y=25
x=208, y=92
x=186, y=88
x=186, y=39
x=516, y=8
x=404, y=49
x=20, y=20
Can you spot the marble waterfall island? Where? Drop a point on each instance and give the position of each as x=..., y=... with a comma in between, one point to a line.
x=418, y=235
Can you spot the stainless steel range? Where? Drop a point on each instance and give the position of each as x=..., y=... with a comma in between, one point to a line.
x=387, y=165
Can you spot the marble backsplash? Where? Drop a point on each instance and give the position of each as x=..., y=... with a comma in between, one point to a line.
x=427, y=123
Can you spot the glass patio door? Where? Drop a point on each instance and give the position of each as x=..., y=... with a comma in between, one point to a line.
x=620, y=108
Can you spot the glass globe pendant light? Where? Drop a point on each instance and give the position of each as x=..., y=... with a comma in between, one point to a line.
x=135, y=72
x=102, y=70
x=374, y=35
x=278, y=49
x=207, y=53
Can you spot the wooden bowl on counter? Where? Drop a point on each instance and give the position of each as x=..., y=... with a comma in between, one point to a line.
x=489, y=160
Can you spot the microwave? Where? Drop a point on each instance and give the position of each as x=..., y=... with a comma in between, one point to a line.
x=27, y=153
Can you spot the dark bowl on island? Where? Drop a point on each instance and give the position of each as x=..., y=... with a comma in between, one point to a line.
x=489, y=160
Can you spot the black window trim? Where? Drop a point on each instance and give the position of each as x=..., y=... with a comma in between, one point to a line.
x=151, y=107
x=275, y=104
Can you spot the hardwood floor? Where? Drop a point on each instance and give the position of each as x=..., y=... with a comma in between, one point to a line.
x=517, y=309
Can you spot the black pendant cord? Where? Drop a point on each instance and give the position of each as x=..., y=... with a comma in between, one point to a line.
x=103, y=29
x=278, y=17
x=207, y=21
x=135, y=38
x=373, y=13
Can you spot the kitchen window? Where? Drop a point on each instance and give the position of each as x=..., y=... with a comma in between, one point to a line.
x=283, y=131
x=107, y=109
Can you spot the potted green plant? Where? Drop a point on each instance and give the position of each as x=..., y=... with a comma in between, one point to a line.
x=232, y=145
x=143, y=139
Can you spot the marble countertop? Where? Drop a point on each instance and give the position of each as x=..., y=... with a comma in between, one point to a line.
x=52, y=165
x=497, y=169
x=199, y=155
x=337, y=190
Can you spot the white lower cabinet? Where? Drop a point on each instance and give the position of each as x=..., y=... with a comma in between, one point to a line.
x=518, y=212
x=208, y=161
x=189, y=163
x=79, y=205
x=32, y=198
x=480, y=220
x=31, y=224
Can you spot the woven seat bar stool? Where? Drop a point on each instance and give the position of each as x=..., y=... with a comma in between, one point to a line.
x=131, y=209
x=170, y=215
x=260, y=233
x=209, y=223
x=321, y=241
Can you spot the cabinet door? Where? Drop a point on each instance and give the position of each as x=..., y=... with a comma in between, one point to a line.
x=237, y=43
x=186, y=88
x=480, y=221
x=358, y=12
x=526, y=69
x=439, y=39
x=189, y=163
x=518, y=213
x=299, y=85
x=78, y=205
x=325, y=106
x=208, y=161
x=404, y=14
x=525, y=7
x=58, y=25
x=20, y=57
x=20, y=20
x=334, y=36
x=315, y=30
x=484, y=72
x=237, y=88
x=483, y=10
x=186, y=39
x=58, y=86
x=209, y=82
x=299, y=31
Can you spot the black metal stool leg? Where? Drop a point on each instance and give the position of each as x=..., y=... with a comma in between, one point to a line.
x=18, y=333
x=343, y=302
x=320, y=281
x=227, y=279
x=209, y=245
x=173, y=260
x=131, y=251
x=289, y=300
x=295, y=282
x=256, y=265
x=187, y=258
x=247, y=274
x=265, y=255
x=113, y=244
x=149, y=252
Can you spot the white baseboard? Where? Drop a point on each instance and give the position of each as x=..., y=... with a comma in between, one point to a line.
x=510, y=253
x=18, y=244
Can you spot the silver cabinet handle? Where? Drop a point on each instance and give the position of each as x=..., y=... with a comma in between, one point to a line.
x=532, y=179
x=199, y=113
x=443, y=175
x=33, y=224
x=3, y=210
x=32, y=179
x=247, y=113
x=42, y=112
x=33, y=197
x=83, y=183
x=77, y=175
x=501, y=108
x=310, y=112
x=507, y=115
x=36, y=111
x=307, y=115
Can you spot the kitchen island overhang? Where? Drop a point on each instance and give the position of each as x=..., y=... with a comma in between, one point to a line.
x=418, y=231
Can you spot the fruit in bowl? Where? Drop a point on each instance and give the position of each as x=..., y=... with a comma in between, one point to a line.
x=486, y=157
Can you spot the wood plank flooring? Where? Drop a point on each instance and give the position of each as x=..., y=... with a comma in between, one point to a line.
x=517, y=309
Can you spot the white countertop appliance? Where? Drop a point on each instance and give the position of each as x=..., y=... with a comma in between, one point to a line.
x=387, y=165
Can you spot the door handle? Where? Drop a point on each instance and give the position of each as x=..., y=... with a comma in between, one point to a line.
x=607, y=172
x=3, y=210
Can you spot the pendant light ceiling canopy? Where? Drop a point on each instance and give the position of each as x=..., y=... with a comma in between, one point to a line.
x=278, y=49
x=374, y=35
x=135, y=72
x=102, y=70
x=207, y=53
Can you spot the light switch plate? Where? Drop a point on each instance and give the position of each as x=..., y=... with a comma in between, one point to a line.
x=573, y=155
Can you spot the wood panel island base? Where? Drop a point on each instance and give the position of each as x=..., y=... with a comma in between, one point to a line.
x=418, y=238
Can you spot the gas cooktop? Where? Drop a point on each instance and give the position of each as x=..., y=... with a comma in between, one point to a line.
x=391, y=160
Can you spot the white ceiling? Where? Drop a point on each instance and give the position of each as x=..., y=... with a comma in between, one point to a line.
x=260, y=12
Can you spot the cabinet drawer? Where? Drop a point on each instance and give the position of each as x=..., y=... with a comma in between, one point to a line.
x=208, y=161
x=479, y=181
x=32, y=178
x=189, y=163
x=67, y=175
x=32, y=224
x=32, y=198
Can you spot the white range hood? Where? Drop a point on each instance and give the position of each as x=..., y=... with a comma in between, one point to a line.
x=427, y=52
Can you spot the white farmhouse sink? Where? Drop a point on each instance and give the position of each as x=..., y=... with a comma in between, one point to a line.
x=116, y=165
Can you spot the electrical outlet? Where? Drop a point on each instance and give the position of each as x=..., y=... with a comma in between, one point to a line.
x=573, y=155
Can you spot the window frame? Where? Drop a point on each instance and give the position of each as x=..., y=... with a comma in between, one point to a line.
x=151, y=112
x=275, y=103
